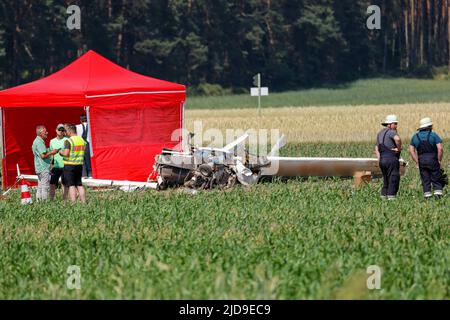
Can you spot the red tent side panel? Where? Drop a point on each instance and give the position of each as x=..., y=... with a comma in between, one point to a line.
x=127, y=134
x=20, y=131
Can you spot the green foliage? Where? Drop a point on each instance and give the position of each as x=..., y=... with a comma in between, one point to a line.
x=309, y=239
x=440, y=73
x=209, y=89
x=159, y=49
x=422, y=71
x=293, y=44
x=322, y=42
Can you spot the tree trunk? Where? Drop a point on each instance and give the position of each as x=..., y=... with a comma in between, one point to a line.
x=442, y=31
x=429, y=39
x=448, y=34
x=269, y=23
x=435, y=57
x=120, y=35
x=109, y=9
x=406, y=37
x=385, y=51
x=413, y=35
x=420, y=29
x=394, y=38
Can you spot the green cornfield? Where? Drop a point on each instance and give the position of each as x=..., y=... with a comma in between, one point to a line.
x=297, y=239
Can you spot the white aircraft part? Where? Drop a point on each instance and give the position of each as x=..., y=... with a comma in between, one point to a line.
x=233, y=144
x=89, y=182
x=277, y=146
x=244, y=175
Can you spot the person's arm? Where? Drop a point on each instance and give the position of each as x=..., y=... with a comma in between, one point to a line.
x=440, y=151
x=439, y=146
x=398, y=143
x=48, y=154
x=66, y=151
x=43, y=152
x=413, y=153
x=377, y=153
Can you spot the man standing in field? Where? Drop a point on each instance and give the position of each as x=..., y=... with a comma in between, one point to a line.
x=73, y=155
x=57, y=144
x=388, y=149
x=427, y=151
x=42, y=162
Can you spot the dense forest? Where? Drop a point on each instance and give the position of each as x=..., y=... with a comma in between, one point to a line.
x=204, y=44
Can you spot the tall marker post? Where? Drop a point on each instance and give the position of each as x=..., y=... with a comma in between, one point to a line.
x=258, y=90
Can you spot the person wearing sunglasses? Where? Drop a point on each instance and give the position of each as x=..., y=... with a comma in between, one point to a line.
x=56, y=172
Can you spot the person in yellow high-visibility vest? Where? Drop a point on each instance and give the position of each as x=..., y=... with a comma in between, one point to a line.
x=73, y=156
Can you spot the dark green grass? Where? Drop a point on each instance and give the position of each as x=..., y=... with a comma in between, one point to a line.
x=361, y=92
x=283, y=240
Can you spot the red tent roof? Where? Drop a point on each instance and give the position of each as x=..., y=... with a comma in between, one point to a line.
x=90, y=75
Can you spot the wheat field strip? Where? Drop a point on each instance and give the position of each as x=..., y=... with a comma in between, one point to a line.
x=330, y=124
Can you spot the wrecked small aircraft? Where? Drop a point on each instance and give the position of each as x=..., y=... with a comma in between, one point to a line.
x=207, y=168
x=204, y=168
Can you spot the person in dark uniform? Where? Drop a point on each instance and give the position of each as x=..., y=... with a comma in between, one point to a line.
x=388, y=149
x=83, y=131
x=427, y=151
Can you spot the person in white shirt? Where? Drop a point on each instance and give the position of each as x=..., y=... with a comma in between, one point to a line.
x=83, y=131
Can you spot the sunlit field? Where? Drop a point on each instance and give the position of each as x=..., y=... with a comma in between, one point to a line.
x=300, y=239
x=326, y=124
x=296, y=239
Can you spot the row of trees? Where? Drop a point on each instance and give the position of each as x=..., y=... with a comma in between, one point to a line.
x=293, y=44
x=416, y=34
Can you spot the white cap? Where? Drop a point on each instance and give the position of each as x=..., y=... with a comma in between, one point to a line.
x=392, y=118
x=425, y=123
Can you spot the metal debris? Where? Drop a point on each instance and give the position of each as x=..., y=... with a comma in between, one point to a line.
x=207, y=168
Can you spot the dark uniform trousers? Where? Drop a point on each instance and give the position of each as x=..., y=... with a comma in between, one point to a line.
x=430, y=174
x=390, y=167
x=430, y=170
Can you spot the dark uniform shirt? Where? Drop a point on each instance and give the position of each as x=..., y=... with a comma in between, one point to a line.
x=434, y=138
x=388, y=139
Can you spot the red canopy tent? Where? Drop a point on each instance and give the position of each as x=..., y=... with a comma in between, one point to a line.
x=131, y=117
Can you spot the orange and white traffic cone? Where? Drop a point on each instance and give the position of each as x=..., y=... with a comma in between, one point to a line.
x=25, y=193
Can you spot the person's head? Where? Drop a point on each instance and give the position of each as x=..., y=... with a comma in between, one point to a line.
x=41, y=131
x=83, y=118
x=391, y=122
x=60, y=130
x=426, y=124
x=71, y=129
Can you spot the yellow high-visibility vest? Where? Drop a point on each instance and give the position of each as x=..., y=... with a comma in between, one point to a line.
x=77, y=149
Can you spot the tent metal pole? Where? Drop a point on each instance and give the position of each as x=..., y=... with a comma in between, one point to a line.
x=3, y=151
x=183, y=125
